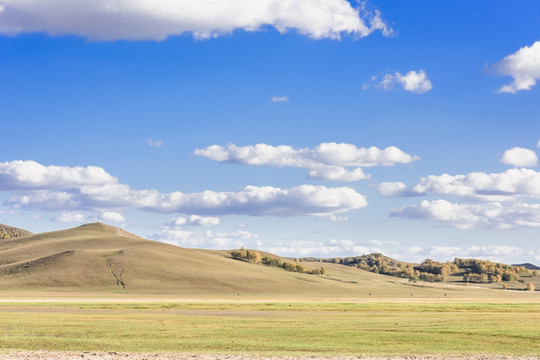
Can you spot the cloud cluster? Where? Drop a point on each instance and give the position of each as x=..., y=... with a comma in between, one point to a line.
x=506, y=186
x=519, y=157
x=499, y=201
x=195, y=220
x=448, y=253
x=84, y=217
x=466, y=216
x=328, y=161
x=158, y=19
x=413, y=81
x=73, y=189
x=23, y=175
x=523, y=66
x=207, y=239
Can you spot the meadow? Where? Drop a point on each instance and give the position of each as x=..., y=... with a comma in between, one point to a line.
x=376, y=328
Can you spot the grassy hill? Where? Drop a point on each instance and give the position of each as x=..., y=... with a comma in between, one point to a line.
x=101, y=259
x=7, y=232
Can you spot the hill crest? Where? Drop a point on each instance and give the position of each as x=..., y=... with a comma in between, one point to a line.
x=7, y=232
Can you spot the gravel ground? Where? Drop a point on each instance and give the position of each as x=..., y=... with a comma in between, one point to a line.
x=89, y=355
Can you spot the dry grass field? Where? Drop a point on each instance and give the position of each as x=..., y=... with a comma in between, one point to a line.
x=59, y=291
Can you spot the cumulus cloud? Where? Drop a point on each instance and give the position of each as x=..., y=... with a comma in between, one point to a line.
x=206, y=239
x=20, y=175
x=112, y=216
x=71, y=189
x=195, y=220
x=467, y=216
x=155, y=143
x=328, y=161
x=523, y=66
x=278, y=99
x=505, y=186
x=73, y=217
x=519, y=157
x=330, y=248
x=158, y=19
x=413, y=81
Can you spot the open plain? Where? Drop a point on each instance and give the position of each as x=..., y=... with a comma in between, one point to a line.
x=61, y=298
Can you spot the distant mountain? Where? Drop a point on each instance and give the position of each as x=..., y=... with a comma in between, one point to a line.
x=7, y=232
x=528, y=266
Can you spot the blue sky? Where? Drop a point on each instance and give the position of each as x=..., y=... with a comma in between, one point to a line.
x=305, y=128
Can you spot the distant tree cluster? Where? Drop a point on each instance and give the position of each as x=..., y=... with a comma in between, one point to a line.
x=482, y=271
x=7, y=233
x=294, y=267
x=429, y=270
x=253, y=256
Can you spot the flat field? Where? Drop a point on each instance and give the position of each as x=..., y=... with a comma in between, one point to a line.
x=377, y=328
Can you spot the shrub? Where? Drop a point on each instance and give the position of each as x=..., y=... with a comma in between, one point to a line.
x=530, y=286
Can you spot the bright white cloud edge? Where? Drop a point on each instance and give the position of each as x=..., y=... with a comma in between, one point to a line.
x=159, y=19
x=327, y=161
x=61, y=188
x=523, y=66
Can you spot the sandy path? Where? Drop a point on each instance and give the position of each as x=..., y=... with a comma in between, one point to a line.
x=89, y=355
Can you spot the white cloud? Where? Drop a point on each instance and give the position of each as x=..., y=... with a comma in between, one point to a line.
x=448, y=253
x=74, y=217
x=155, y=144
x=392, y=188
x=331, y=248
x=328, y=161
x=206, y=239
x=505, y=186
x=523, y=66
x=519, y=157
x=195, y=220
x=74, y=189
x=19, y=175
x=158, y=19
x=112, y=216
x=278, y=99
x=413, y=81
x=466, y=216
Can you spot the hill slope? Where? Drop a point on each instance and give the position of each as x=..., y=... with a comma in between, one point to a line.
x=101, y=259
x=7, y=232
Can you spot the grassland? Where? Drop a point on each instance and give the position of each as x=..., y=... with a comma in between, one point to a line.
x=273, y=328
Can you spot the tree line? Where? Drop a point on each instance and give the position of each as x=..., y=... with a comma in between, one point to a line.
x=472, y=270
x=253, y=256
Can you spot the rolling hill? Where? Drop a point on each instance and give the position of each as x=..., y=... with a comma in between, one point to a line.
x=7, y=232
x=102, y=259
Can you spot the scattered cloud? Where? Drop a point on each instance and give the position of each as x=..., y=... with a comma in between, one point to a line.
x=413, y=81
x=158, y=19
x=448, y=253
x=519, y=157
x=327, y=161
x=467, y=216
x=330, y=248
x=523, y=66
x=195, y=220
x=112, y=216
x=74, y=189
x=506, y=186
x=73, y=217
x=28, y=174
x=155, y=144
x=279, y=99
x=206, y=239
